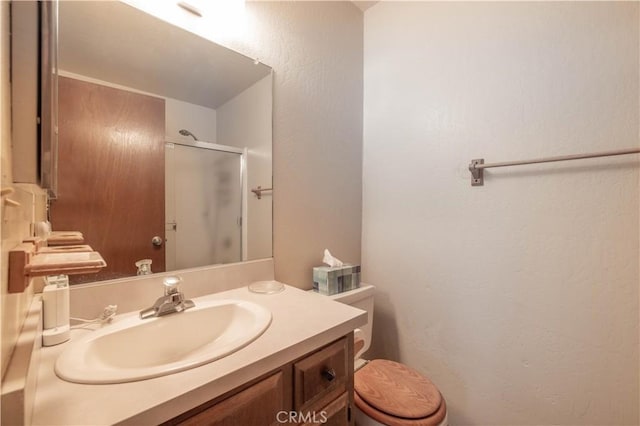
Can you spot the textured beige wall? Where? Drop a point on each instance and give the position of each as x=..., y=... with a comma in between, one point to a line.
x=5, y=92
x=14, y=221
x=16, y=225
x=24, y=82
x=519, y=298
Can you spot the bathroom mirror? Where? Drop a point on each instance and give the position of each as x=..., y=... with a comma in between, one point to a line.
x=162, y=135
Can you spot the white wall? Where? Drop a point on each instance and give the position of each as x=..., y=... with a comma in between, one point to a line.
x=199, y=120
x=253, y=106
x=520, y=298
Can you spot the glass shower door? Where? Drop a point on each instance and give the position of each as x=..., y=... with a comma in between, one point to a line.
x=207, y=206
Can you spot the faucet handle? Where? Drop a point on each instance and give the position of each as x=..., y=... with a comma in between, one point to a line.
x=171, y=284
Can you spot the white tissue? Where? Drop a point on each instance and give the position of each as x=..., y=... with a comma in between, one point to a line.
x=330, y=260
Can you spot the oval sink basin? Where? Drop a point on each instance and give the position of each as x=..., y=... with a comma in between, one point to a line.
x=135, y=349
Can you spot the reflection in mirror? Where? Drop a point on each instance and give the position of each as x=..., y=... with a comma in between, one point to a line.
x=162, y=135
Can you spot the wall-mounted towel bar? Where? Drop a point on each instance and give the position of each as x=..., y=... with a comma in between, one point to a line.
x=477, y=166
x=259, y=190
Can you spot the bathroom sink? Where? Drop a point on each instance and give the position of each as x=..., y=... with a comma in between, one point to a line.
x=134, y=349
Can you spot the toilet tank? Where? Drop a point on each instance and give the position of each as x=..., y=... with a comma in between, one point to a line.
x=361, y=298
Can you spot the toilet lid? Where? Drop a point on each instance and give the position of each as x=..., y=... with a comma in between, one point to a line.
x=397, y=390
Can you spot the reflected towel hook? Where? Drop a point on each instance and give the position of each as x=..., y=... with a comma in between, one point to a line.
x=259, y=190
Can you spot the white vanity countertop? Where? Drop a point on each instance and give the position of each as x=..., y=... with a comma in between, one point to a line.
x=302, y=321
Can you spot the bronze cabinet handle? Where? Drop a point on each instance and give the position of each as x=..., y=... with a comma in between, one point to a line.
x=329, y=374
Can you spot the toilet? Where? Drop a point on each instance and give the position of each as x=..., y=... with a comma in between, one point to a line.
x=387, y=392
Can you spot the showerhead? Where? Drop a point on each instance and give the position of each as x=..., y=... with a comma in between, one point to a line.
x=185, y=132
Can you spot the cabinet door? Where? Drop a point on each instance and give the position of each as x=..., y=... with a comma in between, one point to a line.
x=258, y=404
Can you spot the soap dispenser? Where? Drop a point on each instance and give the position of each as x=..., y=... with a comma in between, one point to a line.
x=55, y=300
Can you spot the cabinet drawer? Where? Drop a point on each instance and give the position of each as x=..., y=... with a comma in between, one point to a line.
x=322, y=374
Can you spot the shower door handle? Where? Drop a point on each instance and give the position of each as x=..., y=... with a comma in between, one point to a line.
x=156, y=241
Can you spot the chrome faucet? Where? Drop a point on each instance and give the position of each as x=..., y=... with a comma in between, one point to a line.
x=172, y=301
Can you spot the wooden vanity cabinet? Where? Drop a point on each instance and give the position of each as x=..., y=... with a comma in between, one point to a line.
x=257, y=404
x=316, y=389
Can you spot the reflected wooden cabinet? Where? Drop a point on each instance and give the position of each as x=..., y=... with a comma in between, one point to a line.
x=312, y=390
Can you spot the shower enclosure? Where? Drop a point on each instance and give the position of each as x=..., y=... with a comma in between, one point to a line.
x=204, y=204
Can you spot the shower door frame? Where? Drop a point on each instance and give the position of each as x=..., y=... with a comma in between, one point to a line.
x=243, y=152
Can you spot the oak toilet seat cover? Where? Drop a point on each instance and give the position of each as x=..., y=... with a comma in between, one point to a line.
x=397, y=390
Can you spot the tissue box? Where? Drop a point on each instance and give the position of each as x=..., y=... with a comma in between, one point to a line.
x=329, y=280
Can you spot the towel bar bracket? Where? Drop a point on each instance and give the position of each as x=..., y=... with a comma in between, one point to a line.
x=259, y=190
x=477, y=175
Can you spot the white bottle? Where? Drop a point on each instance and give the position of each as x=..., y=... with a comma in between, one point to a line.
x=55, y=300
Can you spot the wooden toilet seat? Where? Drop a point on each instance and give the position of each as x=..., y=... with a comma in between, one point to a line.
x=396, y=395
